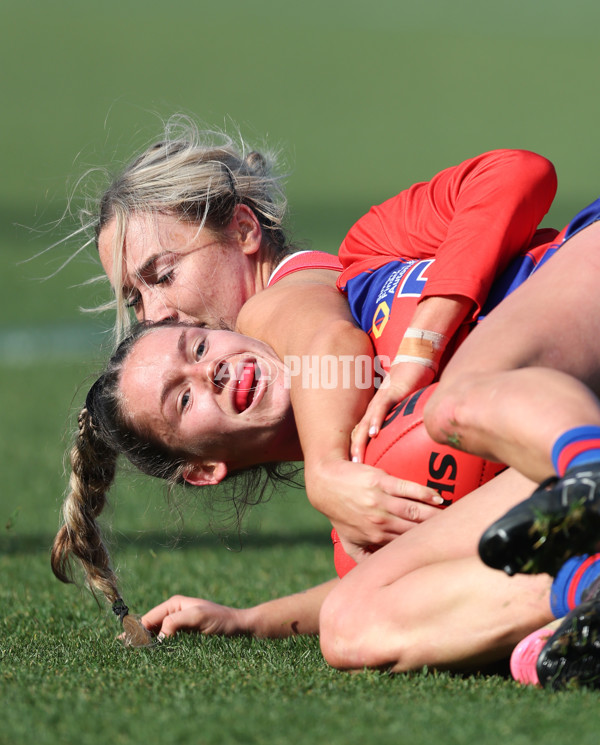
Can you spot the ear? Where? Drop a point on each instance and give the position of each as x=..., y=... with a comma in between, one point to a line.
x=205, y=474
x=246, y=229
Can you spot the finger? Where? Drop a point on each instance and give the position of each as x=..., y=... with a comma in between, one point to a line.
x=411, y=515
x=187, y=619
x=381, y=404
x=359, y=440
x=402, y=511
x=154, y=618
x=371, y=535
x=370, y=425
x=397, y=487
x=378, y=409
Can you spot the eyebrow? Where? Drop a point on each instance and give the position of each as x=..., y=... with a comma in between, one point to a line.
x=181, y=343
x=139, y=274
x=147, y=265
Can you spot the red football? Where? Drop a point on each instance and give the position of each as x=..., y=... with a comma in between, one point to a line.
x=404, y=449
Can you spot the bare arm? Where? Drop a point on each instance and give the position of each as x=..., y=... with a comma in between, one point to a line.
x=304, y=321
x=282, y=617
x=473, y=218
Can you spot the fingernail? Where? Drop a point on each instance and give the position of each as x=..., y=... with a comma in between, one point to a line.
x=373, y=431
x=161, y=637
x=437, y=499
x=355, y=458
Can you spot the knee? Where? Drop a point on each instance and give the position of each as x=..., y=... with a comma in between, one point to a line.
x=341, y=632
x=440, y=413
x=337, y=632
x=453, y=406
x=353, y=635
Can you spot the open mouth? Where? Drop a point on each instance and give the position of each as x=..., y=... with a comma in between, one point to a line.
x=245, y=385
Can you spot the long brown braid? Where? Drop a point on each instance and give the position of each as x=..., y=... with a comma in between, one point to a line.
x=93, y=466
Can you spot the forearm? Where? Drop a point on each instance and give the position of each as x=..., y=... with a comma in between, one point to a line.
x=434, y=323
x=287, y=616
x=443, y=315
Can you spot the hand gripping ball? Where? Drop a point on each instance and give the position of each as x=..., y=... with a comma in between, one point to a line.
x=404, y=449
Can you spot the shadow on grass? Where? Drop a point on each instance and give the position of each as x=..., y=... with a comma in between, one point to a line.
x=41, y=542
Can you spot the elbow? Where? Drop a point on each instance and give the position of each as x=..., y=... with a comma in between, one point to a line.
x=539, y=172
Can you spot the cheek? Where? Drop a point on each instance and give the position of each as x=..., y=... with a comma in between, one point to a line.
x=203, y=429
x=195, y=294
x=216, y=278
x=279, y=398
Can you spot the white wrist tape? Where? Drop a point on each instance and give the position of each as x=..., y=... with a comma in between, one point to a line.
x=422, y=347
x=417, y=360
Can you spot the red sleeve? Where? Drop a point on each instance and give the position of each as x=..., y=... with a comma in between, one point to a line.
x=473, y=218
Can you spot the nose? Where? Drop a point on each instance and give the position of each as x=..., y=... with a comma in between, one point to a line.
x=154, y=309
x=166, y=314
x=214, y=372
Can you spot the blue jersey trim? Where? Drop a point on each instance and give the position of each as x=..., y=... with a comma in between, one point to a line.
x=586, y=217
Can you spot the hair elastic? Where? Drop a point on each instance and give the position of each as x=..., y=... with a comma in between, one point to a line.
x=120, y=609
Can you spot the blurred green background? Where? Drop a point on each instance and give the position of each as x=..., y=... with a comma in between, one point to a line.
x=362, y=98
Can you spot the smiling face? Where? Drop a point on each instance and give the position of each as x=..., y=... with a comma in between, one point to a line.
x=216, y=396
x=172, y=269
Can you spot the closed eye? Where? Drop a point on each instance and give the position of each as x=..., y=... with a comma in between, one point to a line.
x=159, y=269
x=166, y=278
x=132, y=300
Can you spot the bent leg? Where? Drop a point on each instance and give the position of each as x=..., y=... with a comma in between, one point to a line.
x=450, y=615
x=488, y=403
x=514, y=416
x=451, y=534
x=426, y=598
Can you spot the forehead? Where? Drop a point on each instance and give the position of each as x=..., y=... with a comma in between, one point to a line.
x=150, y=359
x=156, y=339
x=161, y=231
x=144, y=371
x=145, y=233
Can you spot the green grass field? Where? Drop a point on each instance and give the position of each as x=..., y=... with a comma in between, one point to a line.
x=363, y=99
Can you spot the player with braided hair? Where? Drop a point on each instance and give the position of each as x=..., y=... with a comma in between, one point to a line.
x=229, y=424
x=100, y=438
x=194, y=229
